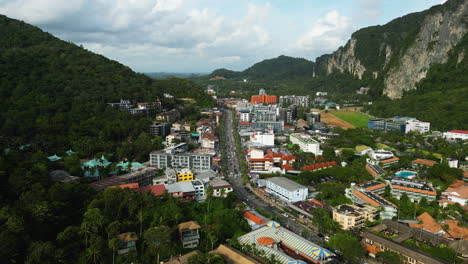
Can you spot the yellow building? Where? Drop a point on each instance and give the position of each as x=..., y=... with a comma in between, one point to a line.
x=184, y=175
x=350, y=216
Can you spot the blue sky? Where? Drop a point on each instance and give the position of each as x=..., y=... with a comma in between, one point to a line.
x=203, y=35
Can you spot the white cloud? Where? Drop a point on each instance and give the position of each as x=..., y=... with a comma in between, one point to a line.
x=126, y=29
x=325, y=35
x=369, y=10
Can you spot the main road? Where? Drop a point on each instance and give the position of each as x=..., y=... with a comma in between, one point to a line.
x=245, y=194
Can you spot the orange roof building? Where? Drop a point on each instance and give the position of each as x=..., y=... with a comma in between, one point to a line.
x=413, y=188
x=263, y=99
x=131, y=186
x=423, y=162
x=447, y=229
x=389, y=162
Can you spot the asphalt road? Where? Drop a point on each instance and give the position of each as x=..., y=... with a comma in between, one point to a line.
x=248, y=196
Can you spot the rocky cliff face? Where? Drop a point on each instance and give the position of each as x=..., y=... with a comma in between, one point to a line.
x=402, y=59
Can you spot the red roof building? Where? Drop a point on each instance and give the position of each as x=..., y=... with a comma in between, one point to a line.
x=265, y=99
x=319, y=166
x=131, y=186
x=156, y=190
x=257, y=220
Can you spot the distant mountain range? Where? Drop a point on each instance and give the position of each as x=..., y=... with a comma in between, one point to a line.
x=390, y=59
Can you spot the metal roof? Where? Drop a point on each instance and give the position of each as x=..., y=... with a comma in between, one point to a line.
x=286, y=183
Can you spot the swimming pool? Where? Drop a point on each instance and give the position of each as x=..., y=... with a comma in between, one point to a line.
x=406, y=174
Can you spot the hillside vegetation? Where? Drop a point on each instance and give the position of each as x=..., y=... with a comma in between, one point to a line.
x=55, y=94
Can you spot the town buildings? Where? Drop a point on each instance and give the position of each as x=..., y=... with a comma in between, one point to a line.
x=351, y=216
x=286, y=189
x=266, y=138
x=447, y=228
x=417, y=163
x=306, y=143
x=415, y=189
x=189, y=234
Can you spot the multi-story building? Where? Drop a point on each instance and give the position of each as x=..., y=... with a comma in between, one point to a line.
x=312, y=118
x=456, y=134
x=385, y=163
x=263, y=139
x=288, y=115
x=199, y=189
x=306, y=143
x=286, y=189
x=160, y=129
x=387, y=210
x=271, y=161
x=143, y=176
x=184, y=175
x=302, y=101
x=277, y=126
x=194, y=161
x=402, y=124
x=351, y=216
x=189, y=234
x=415, y=189
x=264, y=115
x=220, y=187
x=168, y=116
x=123, y=105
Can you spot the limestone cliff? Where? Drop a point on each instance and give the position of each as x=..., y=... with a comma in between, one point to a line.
x=401, y=52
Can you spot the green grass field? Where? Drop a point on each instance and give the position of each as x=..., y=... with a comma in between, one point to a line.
x=354, y=118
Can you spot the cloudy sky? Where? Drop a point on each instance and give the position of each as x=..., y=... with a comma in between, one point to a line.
x=203, y=35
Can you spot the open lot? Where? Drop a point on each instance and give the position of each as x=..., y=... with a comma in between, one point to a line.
x=333, y=120
x=354, y=118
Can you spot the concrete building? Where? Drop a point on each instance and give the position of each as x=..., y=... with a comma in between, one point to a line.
x=184, y=175
x=199, y=189
x=158, y=129
x=302, y=101
x=387, y=210
x=189, y=234
x=402, y=124
x=413, y=188
x=263, y=139
x=312, y=118
x=306, y=143
x=184, y=191
x=265, y=99
x=163, y=159
x=286, y=189
x=351, y=216
x=277, y=126
x=456, y=134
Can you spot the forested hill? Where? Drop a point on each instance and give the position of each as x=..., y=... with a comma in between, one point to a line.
x=280, y=68
x=55, y=93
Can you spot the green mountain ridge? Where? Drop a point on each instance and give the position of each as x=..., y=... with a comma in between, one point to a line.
x=394, y=60
x=55, y=93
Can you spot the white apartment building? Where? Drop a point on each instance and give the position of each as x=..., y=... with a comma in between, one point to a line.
x=306, y=143
x=265, y=139
x=286, y=189
x=199, y=189
x=416, y=125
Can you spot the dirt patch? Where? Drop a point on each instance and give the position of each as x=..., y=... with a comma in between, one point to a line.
x=332, y=120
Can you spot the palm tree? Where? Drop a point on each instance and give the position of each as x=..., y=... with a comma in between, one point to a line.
x=93, y=254
x=157, y=237
x=114, y=245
